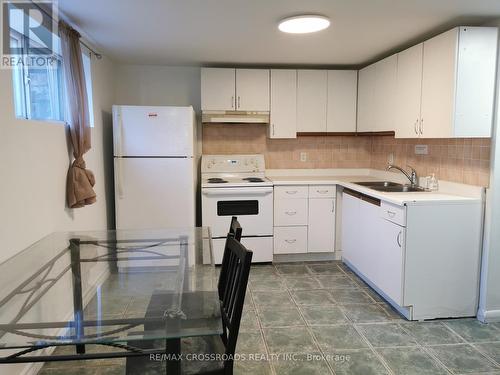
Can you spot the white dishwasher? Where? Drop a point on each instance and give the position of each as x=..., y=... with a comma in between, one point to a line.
x=372, y=244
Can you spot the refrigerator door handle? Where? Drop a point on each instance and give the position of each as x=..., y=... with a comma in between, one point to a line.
x=119, y=178
x=119, y=151
x=119, y=132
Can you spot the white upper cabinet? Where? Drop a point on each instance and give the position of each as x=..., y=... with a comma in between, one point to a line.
x=311, y=100
x=385, y=94
x=438, y=85
x=342, y=100
x=458, y=83
x=252, y=89
x=442, y=88
x=477, y=53
x=409, y=92
x=376, y=95
x=283, y=122
x=366, y=99
x=218, y=89
x=234, y=89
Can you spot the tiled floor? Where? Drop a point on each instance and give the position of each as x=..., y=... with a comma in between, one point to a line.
x=319, y=318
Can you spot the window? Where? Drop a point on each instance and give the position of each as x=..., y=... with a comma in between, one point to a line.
x=39, y=91
x=87, y=70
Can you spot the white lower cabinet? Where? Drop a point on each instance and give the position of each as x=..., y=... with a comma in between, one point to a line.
x=423, y=259
x=388, y=265
x=304, y=219
x=321, y=225
x=290, y=240
x=290, y=212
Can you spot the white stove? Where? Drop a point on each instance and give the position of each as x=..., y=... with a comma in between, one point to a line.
x=233, y=171
x=231, y=180
x=235, y=185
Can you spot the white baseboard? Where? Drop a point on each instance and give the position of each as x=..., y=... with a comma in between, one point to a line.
x=488, y=316
x=304, y=257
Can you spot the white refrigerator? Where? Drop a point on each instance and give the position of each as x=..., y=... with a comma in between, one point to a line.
x=155, y=167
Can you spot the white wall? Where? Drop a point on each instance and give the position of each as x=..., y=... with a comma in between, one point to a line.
x=489, y=304
x=34, y=160
x=158, y=85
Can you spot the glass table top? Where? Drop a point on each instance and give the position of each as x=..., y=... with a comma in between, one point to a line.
x=111, y=287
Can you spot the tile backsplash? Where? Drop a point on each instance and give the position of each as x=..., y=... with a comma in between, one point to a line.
x=464, y=160
x=459, y=160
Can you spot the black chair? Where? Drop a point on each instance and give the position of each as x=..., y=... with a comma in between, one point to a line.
x=233, y=291
x=235, y=231
x=233, y=297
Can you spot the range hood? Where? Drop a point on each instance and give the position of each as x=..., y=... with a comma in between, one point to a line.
x=235, y=117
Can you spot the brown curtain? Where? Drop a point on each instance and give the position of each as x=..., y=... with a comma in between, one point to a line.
x=80, y=181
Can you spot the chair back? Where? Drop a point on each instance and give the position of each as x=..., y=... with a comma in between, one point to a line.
x=233, y=296
x=235, y=231
x=235, y=228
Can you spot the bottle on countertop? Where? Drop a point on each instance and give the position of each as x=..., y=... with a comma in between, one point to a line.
x=432, y=182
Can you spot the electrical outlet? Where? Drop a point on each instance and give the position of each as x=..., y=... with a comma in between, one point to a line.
x=390, y=158
x=303, y=156
x=421, y=150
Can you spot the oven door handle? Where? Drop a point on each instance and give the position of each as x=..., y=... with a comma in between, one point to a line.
x=237, y=191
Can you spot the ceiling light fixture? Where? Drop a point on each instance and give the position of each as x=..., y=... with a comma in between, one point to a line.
x=308, y=23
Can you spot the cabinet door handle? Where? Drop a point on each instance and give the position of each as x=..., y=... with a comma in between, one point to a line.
x=398, y=239
x=333, y=206
x=273, y=128
x=421, y=128
x=291, y=192
x=416, y=127
x=291, y=241
x=291, y=213
x=391, y=213
x=239, y=102
x=232, y=101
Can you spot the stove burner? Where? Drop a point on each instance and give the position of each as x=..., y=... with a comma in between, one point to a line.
x=216, y=180
x=253, y=179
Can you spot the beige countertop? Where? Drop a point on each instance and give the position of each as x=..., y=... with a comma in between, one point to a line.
x=408, y=198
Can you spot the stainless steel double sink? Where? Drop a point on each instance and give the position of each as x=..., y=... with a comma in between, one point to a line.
x=390, y=187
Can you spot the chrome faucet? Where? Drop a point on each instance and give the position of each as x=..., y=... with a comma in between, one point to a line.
x=412, y=176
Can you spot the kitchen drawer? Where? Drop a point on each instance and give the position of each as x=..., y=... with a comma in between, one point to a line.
x=393, y=213
x=291, y=192
x=322, y=191
x=290, y=240
x=290, y=212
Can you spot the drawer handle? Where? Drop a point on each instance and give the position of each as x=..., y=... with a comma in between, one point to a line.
x=391, y=213
x=322, y=191
x=291, y=192
x=291, y=213
x=290, y=241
